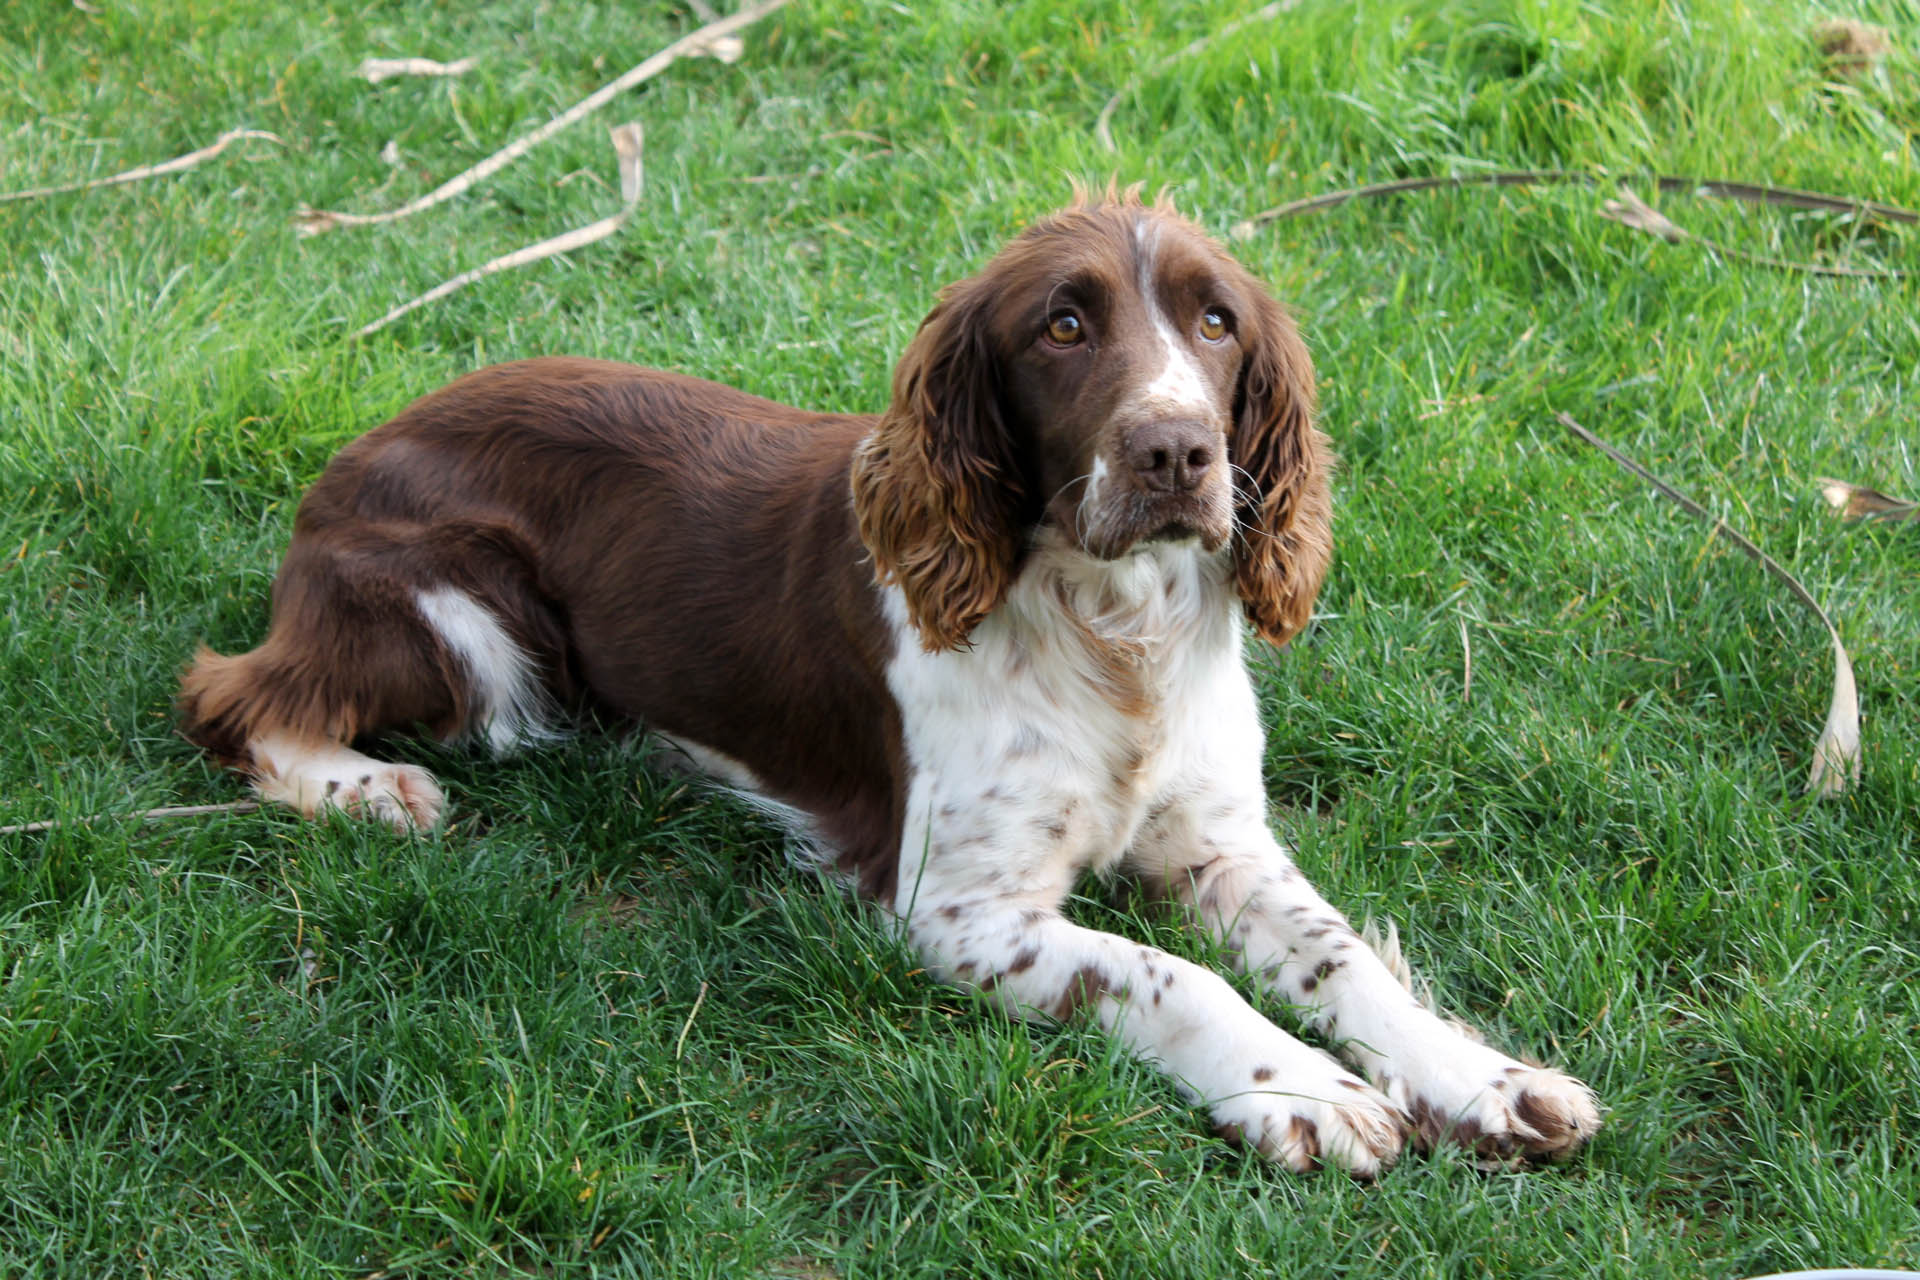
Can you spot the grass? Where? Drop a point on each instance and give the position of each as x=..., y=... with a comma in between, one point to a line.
x=598, y=1026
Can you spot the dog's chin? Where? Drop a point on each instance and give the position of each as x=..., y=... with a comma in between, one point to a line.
x=1188, y=522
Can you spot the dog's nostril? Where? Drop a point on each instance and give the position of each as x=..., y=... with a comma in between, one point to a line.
x=1171, y=456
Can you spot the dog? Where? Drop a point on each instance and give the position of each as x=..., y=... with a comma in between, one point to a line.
x=975, y=647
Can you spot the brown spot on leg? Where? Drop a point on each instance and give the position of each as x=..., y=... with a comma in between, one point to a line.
x=1262, y=1074
x=1024, y=960
x=1084, y=988
x=1305, y=1136
x=1429, y=1125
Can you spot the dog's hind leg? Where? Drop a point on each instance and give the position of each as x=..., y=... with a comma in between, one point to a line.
x=376, y=628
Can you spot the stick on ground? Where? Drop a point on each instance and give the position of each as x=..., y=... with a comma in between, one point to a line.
x=627, y=140
x=176, y=165
x=146, y=815
x=312, y=222
x=1836, y=757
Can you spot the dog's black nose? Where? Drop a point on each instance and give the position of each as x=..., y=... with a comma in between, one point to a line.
x=1172, y=456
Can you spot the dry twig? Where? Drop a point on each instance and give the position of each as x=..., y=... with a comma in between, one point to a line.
x=176, y=165
x=1711, y=188
x=374, y=70
x=147, y=815
x=627, y=140
x=310, y=222
x=1629, y=209
x=1836, y=757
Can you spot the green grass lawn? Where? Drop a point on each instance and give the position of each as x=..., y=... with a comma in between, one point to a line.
x=597, y=1026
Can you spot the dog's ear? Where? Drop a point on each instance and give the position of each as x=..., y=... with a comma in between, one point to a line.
x=937, y=487
x=1283, y=507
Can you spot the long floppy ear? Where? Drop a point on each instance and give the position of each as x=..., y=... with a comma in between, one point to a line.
x=937, y=487
x=1283, y=506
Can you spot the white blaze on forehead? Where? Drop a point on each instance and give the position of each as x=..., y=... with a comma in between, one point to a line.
x=1175, y=385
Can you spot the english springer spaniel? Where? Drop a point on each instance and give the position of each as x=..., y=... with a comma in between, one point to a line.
x=978, y=646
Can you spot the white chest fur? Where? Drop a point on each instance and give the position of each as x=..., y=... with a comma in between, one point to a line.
x=1096, y=696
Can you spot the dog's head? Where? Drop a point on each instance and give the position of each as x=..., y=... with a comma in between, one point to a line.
x=1114, y=373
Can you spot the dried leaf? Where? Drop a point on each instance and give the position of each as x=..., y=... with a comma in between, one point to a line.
x=374, y=70
x=627, y=144
x=1836, y=757
x=1857, y=502
x=1638, y=214
x=1851, y=46
x=727, y=49
x=175, y=165
x=312, y=222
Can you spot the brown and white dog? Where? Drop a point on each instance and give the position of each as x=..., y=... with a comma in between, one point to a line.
x=975, y=647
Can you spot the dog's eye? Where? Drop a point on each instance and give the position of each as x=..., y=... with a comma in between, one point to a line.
x=1064, y=329
x=1213, y=326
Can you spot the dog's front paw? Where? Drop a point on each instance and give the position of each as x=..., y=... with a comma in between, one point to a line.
x=1502, y=1109
x=1323, y=1116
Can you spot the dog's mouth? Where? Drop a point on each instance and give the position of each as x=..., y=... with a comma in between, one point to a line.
x=1129, y=522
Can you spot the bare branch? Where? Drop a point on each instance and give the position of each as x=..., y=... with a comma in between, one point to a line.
x=311, y=222
x=374, y=70
x=627, y=141
x=176, y=165
x=146, y=815
x=1836, y=757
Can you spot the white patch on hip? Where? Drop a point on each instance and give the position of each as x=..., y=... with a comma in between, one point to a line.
x=509, y=702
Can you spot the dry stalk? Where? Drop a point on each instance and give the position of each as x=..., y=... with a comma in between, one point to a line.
x=709, y=38
x=627, y=142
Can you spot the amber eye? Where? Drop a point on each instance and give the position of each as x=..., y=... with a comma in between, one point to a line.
x=1213, y=326
x=1064, y=329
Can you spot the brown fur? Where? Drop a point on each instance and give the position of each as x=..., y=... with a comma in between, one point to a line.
x=1283, y=543
x=673, y=552
x=936, y=488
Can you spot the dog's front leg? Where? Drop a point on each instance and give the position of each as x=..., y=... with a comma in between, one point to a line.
x=1261, y=1085
x=1247, y=890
